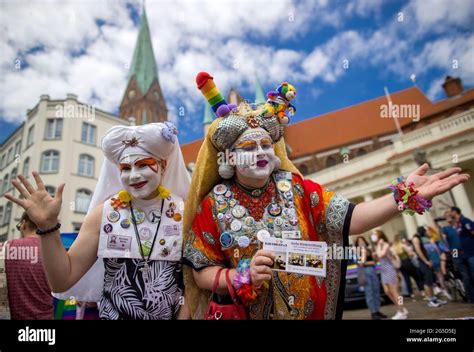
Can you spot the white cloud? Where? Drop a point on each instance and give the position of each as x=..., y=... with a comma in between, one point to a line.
x=235, y=41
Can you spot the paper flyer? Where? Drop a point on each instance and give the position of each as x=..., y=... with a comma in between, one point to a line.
x=300, y=257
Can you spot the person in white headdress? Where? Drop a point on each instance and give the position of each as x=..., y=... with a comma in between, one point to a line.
x=127, y=255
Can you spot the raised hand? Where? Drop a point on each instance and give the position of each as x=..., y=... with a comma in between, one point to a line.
x=41, y=208
x=433, y=185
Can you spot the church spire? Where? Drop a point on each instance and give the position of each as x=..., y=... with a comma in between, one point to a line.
x=259, y=95
x=143, y=98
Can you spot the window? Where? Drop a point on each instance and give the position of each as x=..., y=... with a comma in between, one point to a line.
x=31, y=134
x=51, y=190
x=10, y=156
x=18, y=148
x=26, y=167
x=5, y=184
x=83, y=199
x=50, y=161
x=86, y=165
x=8, y=213
x=361, y=152
x=54, y=129
x=88, y=133
x=1, y=216
x=2, y=162
x=76, y=226
x=12, y=177
x=331, y=161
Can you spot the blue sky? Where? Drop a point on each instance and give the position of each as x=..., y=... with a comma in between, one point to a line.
x=85, y=47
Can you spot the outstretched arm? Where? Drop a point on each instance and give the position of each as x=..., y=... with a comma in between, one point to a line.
x=369, y=215
x=63, y=269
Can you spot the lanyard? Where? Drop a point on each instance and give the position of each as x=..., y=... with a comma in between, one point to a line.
x=146, y=268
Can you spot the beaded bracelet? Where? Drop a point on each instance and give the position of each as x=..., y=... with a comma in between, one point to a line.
x=243, y=282
x=52, y=229
x=407, y=198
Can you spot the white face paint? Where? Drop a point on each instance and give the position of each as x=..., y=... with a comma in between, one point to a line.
x=140, y=175
x=255, y=155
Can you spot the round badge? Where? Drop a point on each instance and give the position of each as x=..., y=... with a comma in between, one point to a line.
x=243, y=241
x=154, y=215
x=262, y=234
x=220, y=216
x=260, y=224
x=232, y=203
x=220, y=199
x=293, y=221
x=125, y=223
x=177, y=217
x=249, y=221
x=238, y=211
x=278, y=221
x=226, y=239
x=220, y=189
x=283, y=185
x=170, y=213
x=228, y=194
x=162, y=242
x=288, y=195
x=139, y=215
x=270, y=223
x=145, y=233
x=235, y=225
x=113, y=216
x=172, y=206
x=274, y=209
x=221, y=207
x=228, y=216
x=108, y=228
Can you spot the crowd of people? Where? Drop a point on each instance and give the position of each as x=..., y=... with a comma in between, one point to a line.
x=424, y=261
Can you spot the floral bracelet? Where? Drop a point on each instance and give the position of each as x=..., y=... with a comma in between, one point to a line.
x=243, y=282
x=407, y=198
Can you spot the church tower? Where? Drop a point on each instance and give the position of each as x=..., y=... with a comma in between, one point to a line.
x=143, y=98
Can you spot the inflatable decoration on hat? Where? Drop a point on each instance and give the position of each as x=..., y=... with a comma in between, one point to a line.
x=235, y=120
x=279, y=101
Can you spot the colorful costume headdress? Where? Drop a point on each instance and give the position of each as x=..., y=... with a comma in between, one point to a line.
x=222, y=134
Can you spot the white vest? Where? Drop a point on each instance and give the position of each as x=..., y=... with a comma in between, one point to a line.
x=117, y=233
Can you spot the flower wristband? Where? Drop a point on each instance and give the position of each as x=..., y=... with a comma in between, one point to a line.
x=407, y=198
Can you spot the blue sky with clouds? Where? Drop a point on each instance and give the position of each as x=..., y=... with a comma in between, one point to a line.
x=84, y=47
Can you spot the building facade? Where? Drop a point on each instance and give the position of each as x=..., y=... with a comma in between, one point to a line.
x=61, y=140
x=358, y=150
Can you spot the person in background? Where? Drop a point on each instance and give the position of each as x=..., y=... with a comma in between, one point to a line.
x=372, y=283
x=426, y=267
x=29, y=293
x=436, y=248
x=465, y=230
x=408, y=269
x=387, y=258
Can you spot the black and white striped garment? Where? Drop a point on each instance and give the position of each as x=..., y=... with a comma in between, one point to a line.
x=127, y=296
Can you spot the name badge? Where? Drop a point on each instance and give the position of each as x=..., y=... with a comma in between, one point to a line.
x=291, y=235
x=118, y=242
x=171, y=230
